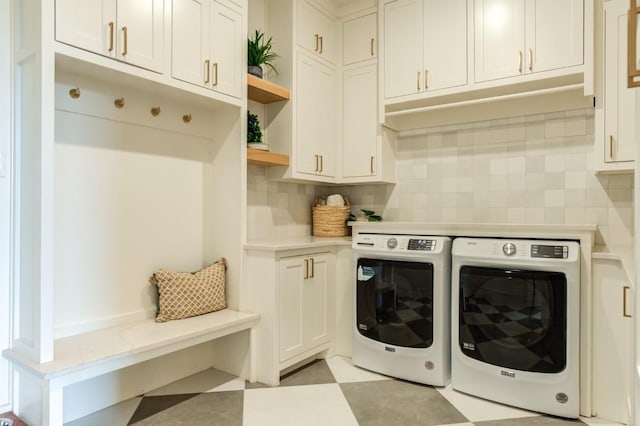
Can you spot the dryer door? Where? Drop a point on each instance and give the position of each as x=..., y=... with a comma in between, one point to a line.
x=513, y=318
x=394, y=302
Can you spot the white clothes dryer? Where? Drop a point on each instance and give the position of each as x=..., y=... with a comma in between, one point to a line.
x=515, y=322
x=402, y=306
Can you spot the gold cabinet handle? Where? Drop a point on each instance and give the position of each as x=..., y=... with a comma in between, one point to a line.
x=215, y=74
x=125, y=49
x=306, y=269
x=372, y=41
x=111, y=25
x=632, y=24
x=321, y=163
x=207, y=71
x=520, y=61
x=313, y=263
x=317, y=42
x=611, y=147
x=530, y=59
x=426, y=85
x=371, y=164
x=317, y=163
x=624, y=302
x=321, y=39
x=418, y=81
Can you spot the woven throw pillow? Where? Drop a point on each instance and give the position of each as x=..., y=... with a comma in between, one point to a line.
x=185, y=294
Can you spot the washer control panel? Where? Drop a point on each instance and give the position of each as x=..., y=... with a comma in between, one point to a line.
x=549, y=252
x=423, y=245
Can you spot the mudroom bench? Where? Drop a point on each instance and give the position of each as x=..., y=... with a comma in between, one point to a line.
x=88, y=355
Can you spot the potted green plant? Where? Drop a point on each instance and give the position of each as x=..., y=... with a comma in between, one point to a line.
x=260, y=54
x=254, y=133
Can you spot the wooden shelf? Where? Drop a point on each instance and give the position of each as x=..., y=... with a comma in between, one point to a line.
x=265, y=92
x=266, y=158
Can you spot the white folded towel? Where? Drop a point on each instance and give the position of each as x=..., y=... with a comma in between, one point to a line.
x=335, y=200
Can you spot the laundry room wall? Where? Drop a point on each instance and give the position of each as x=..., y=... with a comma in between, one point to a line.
x=533, y=169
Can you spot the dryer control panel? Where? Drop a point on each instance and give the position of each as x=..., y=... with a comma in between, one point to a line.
x=549, y=252
x=424, y=245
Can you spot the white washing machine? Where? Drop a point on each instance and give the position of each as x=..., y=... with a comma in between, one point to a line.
x=515, y=322
x=402, y=306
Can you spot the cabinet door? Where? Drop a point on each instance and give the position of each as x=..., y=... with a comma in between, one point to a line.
x=140, y=33
x=226, y=50
x=554, y=34
x=316, y=31
x=445, y=44
x=402, y=48
x=87, y=24
x=316, y=300
x=292, y=282
x=315, y=118
x=499, y=39
x=360, y=39
x=619, y=102
x=359, y=137
x=188, y=38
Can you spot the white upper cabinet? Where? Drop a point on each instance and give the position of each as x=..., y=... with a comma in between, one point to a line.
x=517, y=37
x=130, y=31
x=207, y=45
x=425, y=44
x=445, y=44
x=315, y=122
x=360, y=39
x=615, y=124
x=359, y=138
x=316, y=31
x=402, y=47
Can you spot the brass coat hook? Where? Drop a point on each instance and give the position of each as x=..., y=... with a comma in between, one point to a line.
x=155, y=111
x=186, y=118
x=119, y=103
x=74, y=93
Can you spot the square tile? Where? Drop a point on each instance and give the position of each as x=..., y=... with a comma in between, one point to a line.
x=118, y=414
x=297, y=405
x=315, y=373
x=397, y=402
x=210, y=380
x=477, y=409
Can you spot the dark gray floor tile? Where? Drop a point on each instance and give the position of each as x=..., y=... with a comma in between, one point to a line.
x=395, y=402
x=154, y=404
x=210, y=409
x=315, y=373
x=539, y=420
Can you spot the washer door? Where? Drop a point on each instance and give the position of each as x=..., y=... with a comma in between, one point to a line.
x=394, y=302
x=514, y=319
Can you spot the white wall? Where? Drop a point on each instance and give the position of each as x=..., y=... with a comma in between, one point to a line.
x=5, y=199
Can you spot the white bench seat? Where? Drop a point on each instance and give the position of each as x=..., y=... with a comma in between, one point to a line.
x=88, y=355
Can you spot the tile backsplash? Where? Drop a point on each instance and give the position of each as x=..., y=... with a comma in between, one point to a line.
x=534, y=169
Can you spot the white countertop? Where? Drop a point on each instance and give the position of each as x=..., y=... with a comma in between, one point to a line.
x=293, y=243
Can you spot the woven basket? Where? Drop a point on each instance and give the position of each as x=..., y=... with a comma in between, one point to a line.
x=330, y=221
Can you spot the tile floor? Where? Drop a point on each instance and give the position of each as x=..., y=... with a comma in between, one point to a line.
x=326, y=392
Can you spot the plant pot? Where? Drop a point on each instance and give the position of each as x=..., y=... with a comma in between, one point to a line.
x=258, y=145
x=255, y=70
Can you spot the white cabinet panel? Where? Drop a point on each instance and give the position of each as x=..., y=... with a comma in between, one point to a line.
x=619, y=102
x=315, y=117
x=292, y=295
x=140, y=32
x=87, y=24
x=554, y=36
x=402, y=47
x=359, y=137
x=445, y=44
x=499, y=39
x=360, y=39
x=316, y=31
x=226, y=50
x=130, y=31
x=517, y=37
x=207, y=45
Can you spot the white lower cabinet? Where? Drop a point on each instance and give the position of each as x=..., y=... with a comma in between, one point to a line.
x=294, y=292
x=612, y=301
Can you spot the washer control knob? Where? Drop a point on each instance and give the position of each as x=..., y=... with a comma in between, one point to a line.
x=392, y=243
x=509, y=249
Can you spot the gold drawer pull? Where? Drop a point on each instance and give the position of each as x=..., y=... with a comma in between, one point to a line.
x=125, y=50
x=624, y=302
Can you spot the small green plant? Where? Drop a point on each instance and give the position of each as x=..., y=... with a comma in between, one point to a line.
x=365, y=216
x=254, y=133
x=259, y=52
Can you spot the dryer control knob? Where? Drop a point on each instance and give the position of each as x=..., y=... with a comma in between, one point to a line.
x=509, y=249
x=392, y=243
